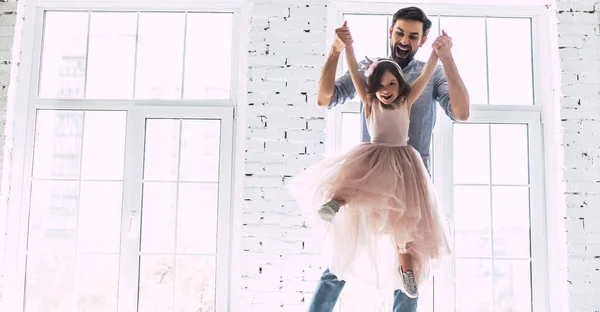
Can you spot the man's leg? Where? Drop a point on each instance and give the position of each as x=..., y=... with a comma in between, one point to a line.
x=402, y=303
x=327, y=293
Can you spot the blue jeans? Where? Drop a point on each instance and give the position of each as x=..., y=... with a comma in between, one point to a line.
x=329, y=289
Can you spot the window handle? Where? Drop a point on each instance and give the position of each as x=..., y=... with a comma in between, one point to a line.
x=133, y=228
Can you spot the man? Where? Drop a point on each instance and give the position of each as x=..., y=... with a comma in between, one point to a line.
x=408, y=33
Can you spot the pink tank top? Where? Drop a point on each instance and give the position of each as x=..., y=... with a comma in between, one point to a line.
x=388, y=126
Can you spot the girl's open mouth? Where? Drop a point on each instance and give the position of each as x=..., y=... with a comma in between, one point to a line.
x=387, y=97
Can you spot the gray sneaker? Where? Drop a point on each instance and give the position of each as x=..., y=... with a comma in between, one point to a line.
x=410, y=284
x=328, y=210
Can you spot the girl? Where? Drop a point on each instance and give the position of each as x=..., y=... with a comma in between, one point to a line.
x=387, y=200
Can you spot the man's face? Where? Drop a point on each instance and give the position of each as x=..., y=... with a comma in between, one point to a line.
x=406, y=37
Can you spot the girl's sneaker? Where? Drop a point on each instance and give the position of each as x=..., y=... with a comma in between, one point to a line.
x=328, y=210
x=410, y=284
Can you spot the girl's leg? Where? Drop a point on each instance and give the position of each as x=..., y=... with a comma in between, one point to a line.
x=408, y=276
x=405, y=262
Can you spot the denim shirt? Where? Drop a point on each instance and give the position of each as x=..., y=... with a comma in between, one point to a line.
x=423, y=111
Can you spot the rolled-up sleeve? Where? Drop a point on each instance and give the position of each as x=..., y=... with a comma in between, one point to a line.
x=344, y=89
x=441, y=93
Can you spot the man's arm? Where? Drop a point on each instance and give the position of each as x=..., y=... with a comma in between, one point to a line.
x=451, y=92
x=457, y=92
x=331, y=91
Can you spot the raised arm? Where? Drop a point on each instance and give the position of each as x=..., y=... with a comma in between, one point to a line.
x=421, y=82
x=359, y=81
x=327, y=83
x=451, y=90
x=326, y=86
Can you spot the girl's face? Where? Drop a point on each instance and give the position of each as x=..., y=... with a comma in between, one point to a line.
x=388, y=89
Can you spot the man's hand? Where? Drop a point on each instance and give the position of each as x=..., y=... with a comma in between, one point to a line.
x=442, y=46
x=342, y=38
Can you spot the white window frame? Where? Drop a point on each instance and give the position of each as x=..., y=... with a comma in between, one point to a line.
x=546, y=204
x=231, y=160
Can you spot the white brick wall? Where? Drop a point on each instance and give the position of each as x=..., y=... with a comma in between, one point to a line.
x=285, y=134
x=579, y=51
x=8, y=65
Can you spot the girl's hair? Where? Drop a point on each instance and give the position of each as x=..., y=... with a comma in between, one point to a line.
x=374, y=81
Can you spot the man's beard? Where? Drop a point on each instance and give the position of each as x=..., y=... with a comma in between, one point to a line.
x=402, y=58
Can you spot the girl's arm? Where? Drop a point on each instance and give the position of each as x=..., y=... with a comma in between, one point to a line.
x=359, y=81
x=420, y=83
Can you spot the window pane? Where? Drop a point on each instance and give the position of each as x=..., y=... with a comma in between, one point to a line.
x=50, y=284
x=468, y=51
x=510, y=154
x=156, y=283
x=103, y=147
x=158, y=217
x=350, y=130
x=100, y=217
x=208, y=70
x=111, y=55
x=200, y=143
x=510, y=206
x=471, y=154
x=510, y=67
x=58, y=139
x=474, y=285
x=160, y=56
x=162, y=149
x=472, y=221
x=192, y=276
x=53, y=216
x=512, y=285
x=197, y=218
x=98, y=277
x=425, y=51
x=370, y=34
x=195, y=283
x=62, y=73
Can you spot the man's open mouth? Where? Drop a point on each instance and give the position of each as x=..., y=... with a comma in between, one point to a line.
x=402, y=51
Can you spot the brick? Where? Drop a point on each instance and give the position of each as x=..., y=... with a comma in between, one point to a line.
x=285, y=147
x=306, y=11
x=290, y=49
x=306, y=136
x=266, y=60
x=306, y=60
x=289, y=25
x=266, y=134
x=270, y=10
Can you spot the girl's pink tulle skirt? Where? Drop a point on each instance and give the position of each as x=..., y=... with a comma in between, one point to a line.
x=390, y=208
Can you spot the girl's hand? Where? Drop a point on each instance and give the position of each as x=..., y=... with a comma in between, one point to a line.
x=442, y=46
x=342, y=38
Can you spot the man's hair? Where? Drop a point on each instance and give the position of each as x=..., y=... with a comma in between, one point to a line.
x=413, y=14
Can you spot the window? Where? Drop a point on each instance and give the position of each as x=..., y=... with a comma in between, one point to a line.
x=129, y=165
x=490, y=186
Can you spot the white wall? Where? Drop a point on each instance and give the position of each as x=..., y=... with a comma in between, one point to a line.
x=285, y=134
x=579, y=50
x=10, y=30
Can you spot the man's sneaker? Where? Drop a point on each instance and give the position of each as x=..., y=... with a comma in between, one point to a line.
x=328, y=210
x=410, y=285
